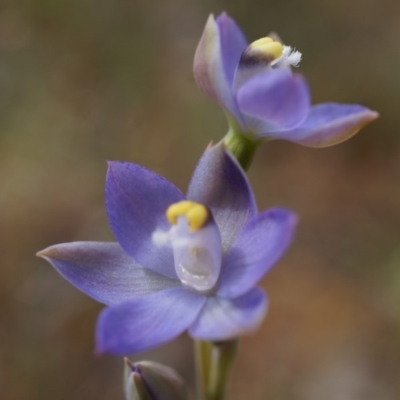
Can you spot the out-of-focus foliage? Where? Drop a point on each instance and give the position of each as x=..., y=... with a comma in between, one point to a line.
x=82, y=81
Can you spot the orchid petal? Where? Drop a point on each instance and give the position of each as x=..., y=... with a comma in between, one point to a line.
x=259, y=245
x=223, y=319
x=104, y=271
x=328, y=124
x=233, y=44
x=220, y=183
x=277, y=100
x=136, y=201
x=140, y=324
x=213, y=61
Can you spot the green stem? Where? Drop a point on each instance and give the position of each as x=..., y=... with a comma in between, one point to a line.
x=214, y=364
x=241, y=146
x=203, y=361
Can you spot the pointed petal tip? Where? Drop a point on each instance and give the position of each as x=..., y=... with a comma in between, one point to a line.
x=128, y=362
x=48, y=252
x=209, y=146
x=223, y=16
x=329, y=124
x=372, y=115
x=355, y=122
x=113, y=163
x=210, y=21
x=365, y=116
x=209, y=26
x=110, y=165
x=41, y=253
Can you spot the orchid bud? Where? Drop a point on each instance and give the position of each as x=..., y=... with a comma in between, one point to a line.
x=147, y=380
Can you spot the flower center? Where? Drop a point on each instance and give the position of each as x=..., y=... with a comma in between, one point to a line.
x=262, y=55
x=262, y=51
x=196, y=214
x=196, y=244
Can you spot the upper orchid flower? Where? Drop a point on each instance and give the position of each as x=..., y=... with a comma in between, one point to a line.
x=260, y=95
x=180, y=263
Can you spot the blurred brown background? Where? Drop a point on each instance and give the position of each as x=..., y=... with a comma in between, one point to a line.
x=82, y=81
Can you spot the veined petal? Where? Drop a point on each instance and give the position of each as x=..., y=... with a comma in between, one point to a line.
x=136, y=201
x=220, y=183
x=328, y=124
x=277, y=99
x=223, y=319
x=259, y=245
x=104, y=271
x=140, y=324
x=213, y=61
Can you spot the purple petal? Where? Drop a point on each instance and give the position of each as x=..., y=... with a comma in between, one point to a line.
x=104, y=271
x=329, y=124
x=213, y=61
x=259, y=245
x=233, y=44
x=223, y=319
x=136, y=201
x=140, y=324
x=220, y=183
x=279, y=99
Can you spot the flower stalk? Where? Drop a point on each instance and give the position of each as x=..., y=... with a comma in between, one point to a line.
x=241, y=146
x=203, y=350
x=214, y=364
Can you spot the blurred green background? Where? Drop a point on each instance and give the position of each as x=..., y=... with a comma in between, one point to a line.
x=82, y=81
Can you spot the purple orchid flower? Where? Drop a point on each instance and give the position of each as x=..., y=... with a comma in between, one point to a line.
x=180, y=263
x=261, y=96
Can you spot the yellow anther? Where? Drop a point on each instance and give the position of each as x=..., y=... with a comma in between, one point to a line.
x=262, y=41
x=177, y=209
x=196, y=214
x=267, y=47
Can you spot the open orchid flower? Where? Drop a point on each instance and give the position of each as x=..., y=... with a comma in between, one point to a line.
x=255, y=86
x=180, y=262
